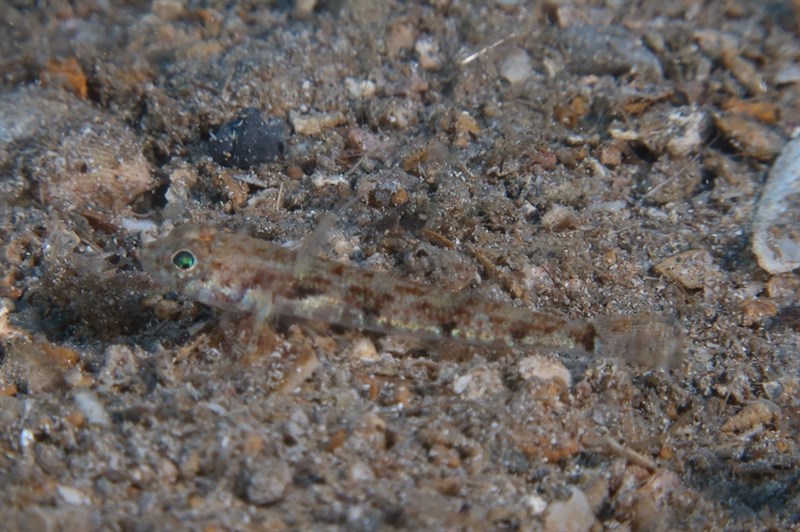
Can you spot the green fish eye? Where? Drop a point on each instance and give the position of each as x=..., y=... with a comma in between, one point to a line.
x=184, y=259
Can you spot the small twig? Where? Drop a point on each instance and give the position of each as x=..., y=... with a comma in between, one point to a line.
x=624, y=229
x=279, y=198
x=355, y=166
x=483, y=51
x=629, y=454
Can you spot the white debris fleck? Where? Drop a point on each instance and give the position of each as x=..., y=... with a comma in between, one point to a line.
x=535, y=504
x=72, y=495
x=133, y=225
x=216, y=408
x=461, y=383
x=320, y=180
x=26, y=438
x=91, y=407
x=360, y=472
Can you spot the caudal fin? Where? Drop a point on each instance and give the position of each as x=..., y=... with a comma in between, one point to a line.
x=647, y=340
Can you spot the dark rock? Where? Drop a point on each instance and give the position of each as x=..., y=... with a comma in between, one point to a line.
x=249, y=140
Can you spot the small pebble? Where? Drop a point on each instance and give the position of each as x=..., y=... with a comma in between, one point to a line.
x=749, y=136
x=120, y=363
x=673, y=179
x=168, y=9
x=167, y=309
x=766, y=112
x=268, y=483
x=304, y=8
x=35, y=518
x=181, y=181
x=248, y=140
x=516, y=66
x=359, y=88
x=466, y=127
x=479, y=382
x=544, y=369
x=611, y=155
x=773, y=389
x=573, y=515
x=563, y=15
x=461, y=383
x=399, y=114
x=744, y=72
x=359, y=473
x=428, y=53
x=691, y=131
x=72, y=495
x=66, y=74
x=399, y=36
x=788, y=74
x=681, y=132
x=715, y=42
x=784, y=289
x=167, y=471
x=316, y=123
x=756, y=311
x=364, y=350
x=560, y=218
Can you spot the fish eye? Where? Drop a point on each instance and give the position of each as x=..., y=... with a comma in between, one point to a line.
x=184, y=260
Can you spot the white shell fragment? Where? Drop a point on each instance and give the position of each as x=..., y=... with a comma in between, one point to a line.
x=776, y=227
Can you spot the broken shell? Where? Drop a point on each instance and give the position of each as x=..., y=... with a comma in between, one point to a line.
x=776, y=227
x=692, y=269
x=71, y=155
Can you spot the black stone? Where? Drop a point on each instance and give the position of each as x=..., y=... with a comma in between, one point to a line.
x=248, y=140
